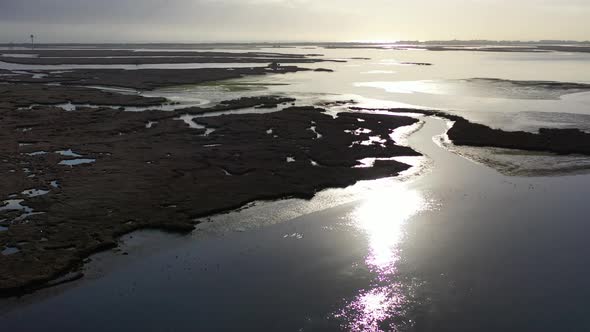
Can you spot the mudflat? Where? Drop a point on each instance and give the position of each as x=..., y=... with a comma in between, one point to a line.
x=466, y=133
x=127, y=57
x=76, y=181
x=142, y=79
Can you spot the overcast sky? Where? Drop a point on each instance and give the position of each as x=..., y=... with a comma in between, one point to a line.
x=291, y=20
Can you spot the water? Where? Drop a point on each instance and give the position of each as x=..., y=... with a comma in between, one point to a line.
x=475, y=85
x=9, y=251
x=14, y=205
x=452, y=83
x=35, y=192
x=68, y=153
x=451, y=245
x=449, y=83
x=17, y=55
x=189, y=120
x=76, y=162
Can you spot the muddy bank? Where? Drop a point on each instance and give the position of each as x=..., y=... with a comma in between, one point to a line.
x=144, y=79
x=148, y=60
x=245, y=102
x=73, y=182
x=81, y=53
x=560, y=141
x=527, y=49
x=569, y=87
x=25, y=95
x=136, y=46
x=127, y=57
x=466, y=133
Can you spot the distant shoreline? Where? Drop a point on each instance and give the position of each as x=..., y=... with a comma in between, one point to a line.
x=455, y=42
x=453, y=45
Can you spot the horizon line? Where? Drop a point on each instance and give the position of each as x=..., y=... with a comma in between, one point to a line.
x=375, y=42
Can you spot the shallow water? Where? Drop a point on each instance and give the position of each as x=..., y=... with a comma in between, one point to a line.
x=14, y=205
x=456, y=81
x=17, y=55
x=35, y=192
x=68, y=153
x=9, y=251
x=76, y=162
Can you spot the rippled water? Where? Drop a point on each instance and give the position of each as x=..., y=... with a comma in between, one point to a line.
x=452, y=245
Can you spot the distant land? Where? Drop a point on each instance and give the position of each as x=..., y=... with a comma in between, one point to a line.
x=454, y=42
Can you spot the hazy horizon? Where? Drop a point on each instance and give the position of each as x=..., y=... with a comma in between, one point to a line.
x=197, y=21
x=455, y=41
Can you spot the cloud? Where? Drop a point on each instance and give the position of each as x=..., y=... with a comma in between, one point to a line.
x=197, y=20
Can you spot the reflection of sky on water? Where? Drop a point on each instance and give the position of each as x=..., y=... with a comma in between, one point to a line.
x=430, y=87
x=457, y=81
x=475, y=87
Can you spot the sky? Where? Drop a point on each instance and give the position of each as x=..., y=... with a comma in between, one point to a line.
x=291, y=20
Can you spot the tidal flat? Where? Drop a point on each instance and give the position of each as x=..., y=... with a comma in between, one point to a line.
x=360, y=191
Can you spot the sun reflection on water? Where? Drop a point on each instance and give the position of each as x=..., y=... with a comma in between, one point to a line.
x=382, y=218
x=408, y=87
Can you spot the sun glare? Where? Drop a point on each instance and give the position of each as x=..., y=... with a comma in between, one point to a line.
x=382, y=217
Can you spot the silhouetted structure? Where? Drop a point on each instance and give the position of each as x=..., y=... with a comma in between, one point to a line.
x=32, y=41
x=274, y=66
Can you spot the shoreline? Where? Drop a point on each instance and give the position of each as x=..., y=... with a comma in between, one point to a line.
x=146, y=242
x=120, y=57
x=180, y=164
x=463, y=127
x=81, y=188
x=466, y=133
